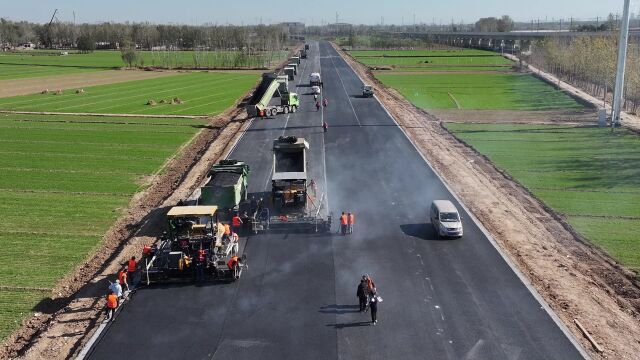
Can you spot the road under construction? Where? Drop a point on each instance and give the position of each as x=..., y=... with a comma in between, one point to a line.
x=443, y=298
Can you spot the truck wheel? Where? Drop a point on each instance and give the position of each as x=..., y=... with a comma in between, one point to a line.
x=268, y=112
x=294, y=108
x=286, y=109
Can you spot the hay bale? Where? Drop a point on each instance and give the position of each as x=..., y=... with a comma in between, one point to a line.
x=151, y=103
x=59, y=92
x=176, y=101
x=163, y=101
x=80, y=91
x=45, y=91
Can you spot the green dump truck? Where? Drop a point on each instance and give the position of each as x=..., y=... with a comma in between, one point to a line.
x=226, y=186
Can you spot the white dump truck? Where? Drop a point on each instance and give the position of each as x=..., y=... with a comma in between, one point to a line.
x=315, y=79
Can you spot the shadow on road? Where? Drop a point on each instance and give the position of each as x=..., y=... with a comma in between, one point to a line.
x=339, y=309
x=349, y=325
x=423, y=231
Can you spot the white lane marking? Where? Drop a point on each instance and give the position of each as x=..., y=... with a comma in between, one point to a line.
x=346, y=93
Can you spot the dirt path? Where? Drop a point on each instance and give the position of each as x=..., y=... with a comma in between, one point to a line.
x=576, y=279
x=35, y=85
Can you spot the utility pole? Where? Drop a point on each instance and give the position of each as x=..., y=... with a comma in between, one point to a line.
x=618, y=93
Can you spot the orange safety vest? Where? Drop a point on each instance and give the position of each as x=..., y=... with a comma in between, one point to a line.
x=352, y=219
x=131, y=267
x=122, y=276
x=232, y=262
x=236, y=221
x=112, y=301
x=227, y=229
x=343, y=219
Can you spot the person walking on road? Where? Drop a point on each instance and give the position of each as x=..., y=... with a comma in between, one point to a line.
x=351, y=220
x=325, y=126
x=373, y=305
x=131, y=268
x=315, y=97
x=112, y=305
x=344, y=222
x=317, y=105
x=234, y=243
x=325, y=102
x=362, y=294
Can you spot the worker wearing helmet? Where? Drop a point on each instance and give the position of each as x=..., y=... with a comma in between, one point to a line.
x=122, y=278
x=234, y=243
x=317, y=105
x=351, y=220
x=112, y=305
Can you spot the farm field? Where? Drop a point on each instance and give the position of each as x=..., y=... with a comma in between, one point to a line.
x=404, y=53
x=431, y=61
x=41, y=63
x=478, y=91
x=202, y=93
x=588, y=175
x=65, y=180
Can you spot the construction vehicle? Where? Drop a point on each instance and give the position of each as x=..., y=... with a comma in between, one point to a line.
x=259, y=105
x=303, y=53
x=284, y=83
x=193, y=247
x=367, y=91
x=292, y=206
x=306, y=46
x=315, y=79
x=225, y=187
x=290, y=72
x=295, y=68
x=295, y=59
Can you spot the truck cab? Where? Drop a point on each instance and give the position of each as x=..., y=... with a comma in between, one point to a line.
x=289, y=180
x=367, y=91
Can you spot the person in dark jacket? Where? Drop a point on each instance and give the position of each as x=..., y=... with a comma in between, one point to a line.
x=373, y=305
x=362, y=294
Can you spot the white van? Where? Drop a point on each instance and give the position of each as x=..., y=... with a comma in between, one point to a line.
x=445, y=218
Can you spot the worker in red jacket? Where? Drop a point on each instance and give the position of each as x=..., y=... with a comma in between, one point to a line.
x=131, y=268
x=236, y=223
x=112, y=305
x=344, y=223
x=122, y=278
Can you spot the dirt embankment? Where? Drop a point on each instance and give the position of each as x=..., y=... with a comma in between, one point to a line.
x=35, y=85
x=576, y=279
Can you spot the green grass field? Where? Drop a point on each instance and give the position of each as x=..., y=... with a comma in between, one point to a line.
x=589, y=175
x=478, y=91
x=427, y=62
x=44, y=63
x=401, y=53
x=65, y=179
x=203, y=93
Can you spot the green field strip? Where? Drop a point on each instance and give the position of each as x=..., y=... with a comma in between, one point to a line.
x=585, y=203
x=452, y=53
x=45, y=162
x=14, y=306
x=132, y=96
x=84, y=119
x=11, y=71
x=101, y=127
x=41, y=260
x=22, y=180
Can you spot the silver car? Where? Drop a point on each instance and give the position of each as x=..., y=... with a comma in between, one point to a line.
x=445, y=219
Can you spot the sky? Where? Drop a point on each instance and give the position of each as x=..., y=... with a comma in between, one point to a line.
x=311, y=12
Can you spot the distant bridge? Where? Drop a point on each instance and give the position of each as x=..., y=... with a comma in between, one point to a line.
x=507, y=41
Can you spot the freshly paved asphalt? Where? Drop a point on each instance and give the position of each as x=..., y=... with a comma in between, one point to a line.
x=443, y=299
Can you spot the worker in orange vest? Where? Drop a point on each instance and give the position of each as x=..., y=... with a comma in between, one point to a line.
x=352, y=220
x=344, y=223
x=131, y=267
x=112, y=305
x=234, y=263
x=122, y=278
x=236, y=222
x=227, y=231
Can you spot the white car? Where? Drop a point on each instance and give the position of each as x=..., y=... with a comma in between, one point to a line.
x=315, y=89
x=445, y=219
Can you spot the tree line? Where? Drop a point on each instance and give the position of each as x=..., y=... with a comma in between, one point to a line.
x=146, y=36
x=590, y=63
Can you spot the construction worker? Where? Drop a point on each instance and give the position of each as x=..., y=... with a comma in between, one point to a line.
x=233, y=263
x=362, y=294
x=371, y=286
x=234, y=243
x=344, y=222
x=236, y=223
x=122, y=278
x=200, y=264
x=325, y=126
x=227, y=232
x=116, y=288
x=325, y=102
x=112, y=305
x=315, y=97
x=352, y=220
x=219, y=234
x=131, y=268
x=317, y=105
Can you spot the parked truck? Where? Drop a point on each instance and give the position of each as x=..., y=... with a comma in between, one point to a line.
x=226, y=186
x=306, y=46
x=315, y=79
x=303, y=53
x=295, y=59
x=295, y=68
x=290, y=72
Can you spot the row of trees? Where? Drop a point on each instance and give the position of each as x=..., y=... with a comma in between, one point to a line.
x=143, y=35
x=492, y=24
x=590, y=63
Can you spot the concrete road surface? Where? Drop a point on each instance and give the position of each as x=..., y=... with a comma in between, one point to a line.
x=443, y=299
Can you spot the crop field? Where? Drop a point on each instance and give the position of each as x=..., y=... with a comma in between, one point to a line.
x=202, y=93
x=435, y=61
x=405, y=53
x=478, y=91
x=65, y=179
x=41, y=63
x=589, y=175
